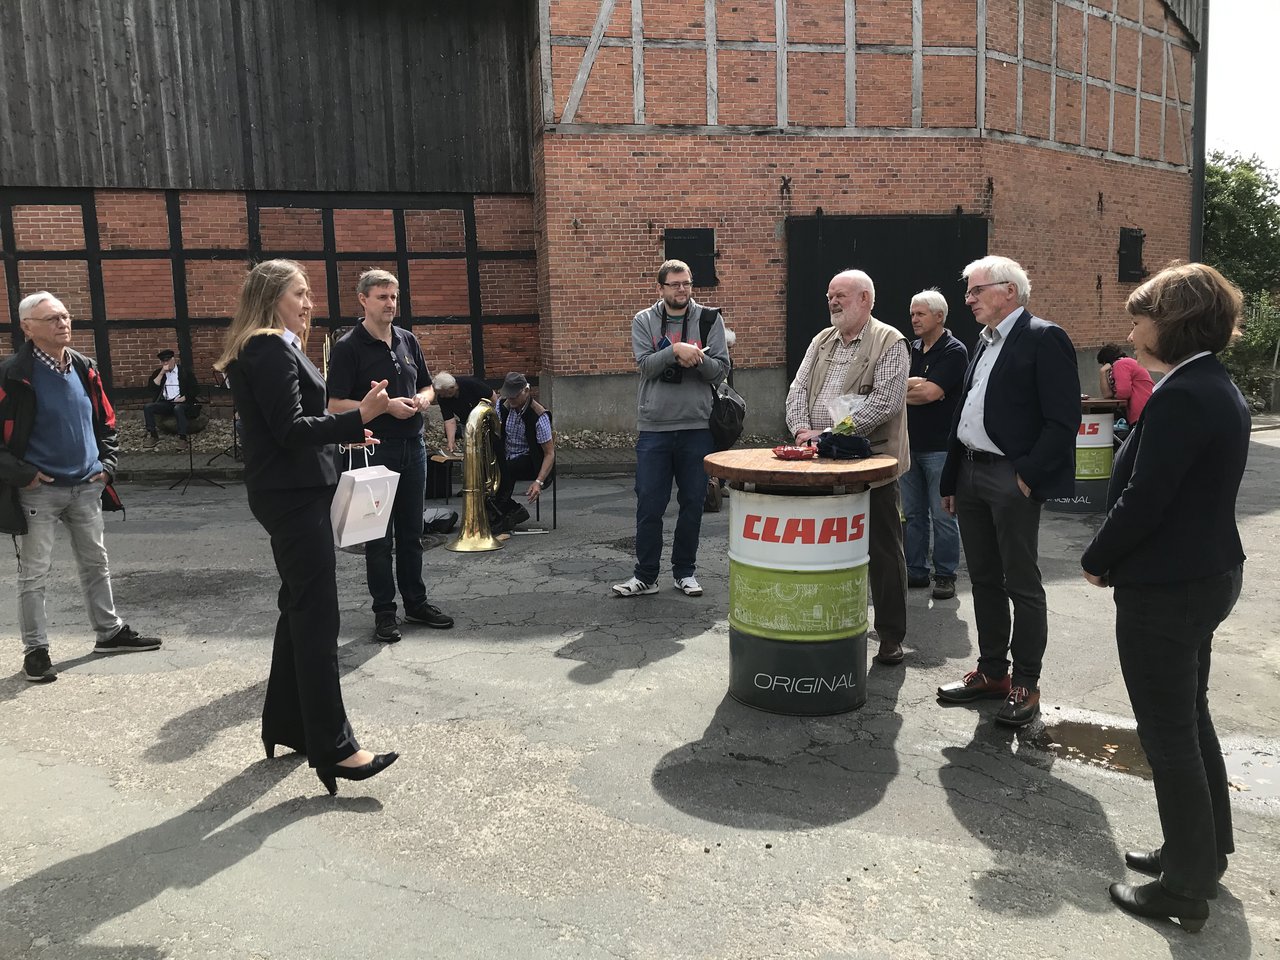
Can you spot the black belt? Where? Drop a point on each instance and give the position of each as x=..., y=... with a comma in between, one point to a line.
x=981, y=456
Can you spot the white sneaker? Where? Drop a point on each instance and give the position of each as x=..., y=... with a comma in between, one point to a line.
x=689, y=586
x=634, y=587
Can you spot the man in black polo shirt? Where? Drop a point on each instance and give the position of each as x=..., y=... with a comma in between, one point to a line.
x=938, y=363
x=457, y=397
x=374, y=350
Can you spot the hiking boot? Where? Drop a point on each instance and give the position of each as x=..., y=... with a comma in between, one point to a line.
x=386, y=627
x=127, y=640
x=37, y=668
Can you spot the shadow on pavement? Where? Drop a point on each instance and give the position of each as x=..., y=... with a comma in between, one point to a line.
x=66, y=902
x=602, y=653
x=1001, y=790
x=936, y=634
x=188, y=733
x=758, y=770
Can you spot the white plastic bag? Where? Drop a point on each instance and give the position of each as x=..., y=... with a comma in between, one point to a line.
x=846, y=408
x=362, y=504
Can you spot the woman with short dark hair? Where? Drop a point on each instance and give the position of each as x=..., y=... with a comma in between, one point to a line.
x=1170, y=549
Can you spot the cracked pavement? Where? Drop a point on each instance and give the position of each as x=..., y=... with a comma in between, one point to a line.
x=574, y=781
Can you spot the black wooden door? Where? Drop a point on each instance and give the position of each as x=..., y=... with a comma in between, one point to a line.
x=902, y=255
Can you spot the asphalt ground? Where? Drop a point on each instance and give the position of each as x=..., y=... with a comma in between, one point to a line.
x=574, y=781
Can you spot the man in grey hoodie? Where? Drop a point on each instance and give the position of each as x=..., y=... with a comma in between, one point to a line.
x=677, y=371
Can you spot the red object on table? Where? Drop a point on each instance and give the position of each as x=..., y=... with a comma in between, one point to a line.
x=805, y=452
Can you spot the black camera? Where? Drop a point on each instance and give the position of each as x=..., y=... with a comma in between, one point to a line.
x=673, y=375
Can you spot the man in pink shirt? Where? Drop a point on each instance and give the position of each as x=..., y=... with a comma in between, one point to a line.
x=1123, y=378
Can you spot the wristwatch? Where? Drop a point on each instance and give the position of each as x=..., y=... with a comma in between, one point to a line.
x=539, y=482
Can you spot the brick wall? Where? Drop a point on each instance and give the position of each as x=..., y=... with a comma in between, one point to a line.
x=139, y=307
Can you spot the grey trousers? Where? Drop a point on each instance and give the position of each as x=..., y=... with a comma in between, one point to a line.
x=79, y=507
x=1000, y=530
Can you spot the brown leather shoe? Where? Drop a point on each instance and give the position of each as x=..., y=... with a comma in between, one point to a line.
x=1021, y=708
x=975, y=686
x=890, y=653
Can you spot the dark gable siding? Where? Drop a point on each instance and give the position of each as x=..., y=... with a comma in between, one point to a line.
x=1189, y=14
x=390, y=95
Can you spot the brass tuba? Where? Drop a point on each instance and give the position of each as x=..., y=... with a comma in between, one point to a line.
x=480, y=479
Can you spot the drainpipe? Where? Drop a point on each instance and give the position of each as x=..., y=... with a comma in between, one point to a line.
x=1198, y=138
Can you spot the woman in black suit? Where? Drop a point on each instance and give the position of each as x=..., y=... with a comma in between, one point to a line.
x=1170, y=548
x=291, y=474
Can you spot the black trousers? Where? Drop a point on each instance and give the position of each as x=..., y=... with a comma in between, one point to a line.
x=1000, y=530
x=886, y=565
x=303, y=709
x=1164, y=634
x=524, y=467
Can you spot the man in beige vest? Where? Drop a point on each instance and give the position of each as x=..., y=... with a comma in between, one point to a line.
x=859, y=355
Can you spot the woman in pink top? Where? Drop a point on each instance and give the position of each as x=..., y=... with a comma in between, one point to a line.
x=1123, y=378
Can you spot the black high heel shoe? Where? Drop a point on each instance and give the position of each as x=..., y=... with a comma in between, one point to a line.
x=330, y=776
x=269, y=747
x=1154, y=901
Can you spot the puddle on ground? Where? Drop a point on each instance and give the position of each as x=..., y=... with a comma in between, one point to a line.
x=1249, y=770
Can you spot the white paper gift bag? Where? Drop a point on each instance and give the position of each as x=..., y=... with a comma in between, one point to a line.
x=362, y=504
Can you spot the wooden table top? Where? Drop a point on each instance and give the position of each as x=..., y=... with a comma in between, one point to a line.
x=761, y=467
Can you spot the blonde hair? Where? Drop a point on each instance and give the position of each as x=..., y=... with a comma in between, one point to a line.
x=256, y=311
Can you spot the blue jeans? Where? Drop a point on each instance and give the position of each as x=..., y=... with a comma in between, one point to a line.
x=923, y=507
x=79, y=507
x=663, y=456
x=408, y=457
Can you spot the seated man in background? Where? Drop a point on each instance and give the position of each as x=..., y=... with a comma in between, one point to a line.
x=529, y=450
x=457, y=397
x=177, y=395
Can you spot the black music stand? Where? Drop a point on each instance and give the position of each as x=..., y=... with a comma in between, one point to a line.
x=191, y=472
x=232, y=450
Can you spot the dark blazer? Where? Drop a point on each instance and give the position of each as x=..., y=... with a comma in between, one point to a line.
x=288, y=437
x=1032, y=409
x=1172, y=497
x=188, y=387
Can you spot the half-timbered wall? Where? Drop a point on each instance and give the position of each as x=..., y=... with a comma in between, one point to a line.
x=1058, y=121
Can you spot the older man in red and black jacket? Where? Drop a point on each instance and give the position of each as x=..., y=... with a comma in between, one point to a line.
x=58, y=451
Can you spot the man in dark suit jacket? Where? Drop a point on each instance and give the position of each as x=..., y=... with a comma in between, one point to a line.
x=1012, y=446
x=177, y=395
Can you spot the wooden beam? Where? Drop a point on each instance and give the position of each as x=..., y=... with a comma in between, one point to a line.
x=980, y=93
x=917, y=63
x=588, y=60
x=850, y=64
x=544, y=55
x=780, y=36
x=637, y=60
x=1084, y=69
x=1022, y=20
x=713, y=63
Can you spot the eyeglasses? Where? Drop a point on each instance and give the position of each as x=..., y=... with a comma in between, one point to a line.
x=681, y=285
x=974, y=291
x=56, y=318
x=394, y=359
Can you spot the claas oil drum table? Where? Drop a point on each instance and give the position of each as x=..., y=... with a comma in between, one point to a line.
x=798, y=536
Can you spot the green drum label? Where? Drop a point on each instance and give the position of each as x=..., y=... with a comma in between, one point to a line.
x=802, y=605
x=1094, y=463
